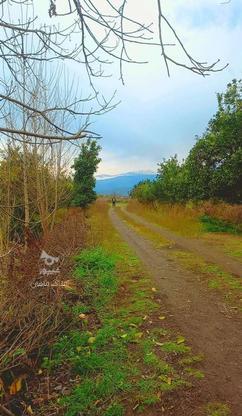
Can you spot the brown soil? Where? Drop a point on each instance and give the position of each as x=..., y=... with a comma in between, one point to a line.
x=200, y=315
x=211, y=254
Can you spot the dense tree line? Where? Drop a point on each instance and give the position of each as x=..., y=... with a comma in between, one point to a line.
x=213, y=167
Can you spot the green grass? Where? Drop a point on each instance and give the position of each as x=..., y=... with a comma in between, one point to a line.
x=215, y=225
x=195, y=373
x=173, y=347
x=117, y=356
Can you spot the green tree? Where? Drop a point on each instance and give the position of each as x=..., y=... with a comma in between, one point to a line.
x=171, y=180
x=85, y=166
x=213, y=168
x=144, y=191
x=214, y=164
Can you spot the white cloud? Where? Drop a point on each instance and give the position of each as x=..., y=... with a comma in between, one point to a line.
x=160, y=116
x=113, y=164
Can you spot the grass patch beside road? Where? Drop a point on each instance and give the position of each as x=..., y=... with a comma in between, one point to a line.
x=229, y=285
x=215, y=225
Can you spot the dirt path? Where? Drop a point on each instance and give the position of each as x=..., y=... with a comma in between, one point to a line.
x=209, y=253
x=199, y=314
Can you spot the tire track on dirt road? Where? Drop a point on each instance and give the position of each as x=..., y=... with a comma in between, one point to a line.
x=210, y=254
x=197, y=312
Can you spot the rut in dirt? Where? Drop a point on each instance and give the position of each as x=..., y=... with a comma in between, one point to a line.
x=199, y=314
x=210, y=254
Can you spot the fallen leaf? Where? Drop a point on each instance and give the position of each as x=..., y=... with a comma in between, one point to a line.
x=82, y=316
x=29, y=410
x=180, y=340
x=91, y=340
x=16, y=385
x=40, y=371
x=154, y=289
x=162, y=318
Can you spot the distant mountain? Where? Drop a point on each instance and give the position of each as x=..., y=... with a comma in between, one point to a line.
x=120, y=184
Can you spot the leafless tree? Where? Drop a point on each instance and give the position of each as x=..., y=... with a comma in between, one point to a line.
x=22, y=46
x=107, y=30
x=93, y=35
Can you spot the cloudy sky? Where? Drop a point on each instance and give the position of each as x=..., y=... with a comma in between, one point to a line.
x=160, y=116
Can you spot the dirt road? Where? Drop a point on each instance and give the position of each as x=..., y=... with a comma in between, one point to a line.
x=210, y=254
x=199, y=314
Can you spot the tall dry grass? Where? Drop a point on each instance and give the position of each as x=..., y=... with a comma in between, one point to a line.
x=178, y=218
x=223, y=211
x=185, y=218
x=100, y=228
x=31, y=317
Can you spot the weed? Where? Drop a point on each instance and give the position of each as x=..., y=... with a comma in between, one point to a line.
x=191, y=360
x=216, y=278
x=115, y=409
x=195, y=373
x=173, y=347
x=214, y=284
x=217, y=409
x=215, y=225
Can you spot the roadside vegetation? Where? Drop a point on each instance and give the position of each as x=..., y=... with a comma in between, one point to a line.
x=194, y=221
x=123, y=354
x=40, y=232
